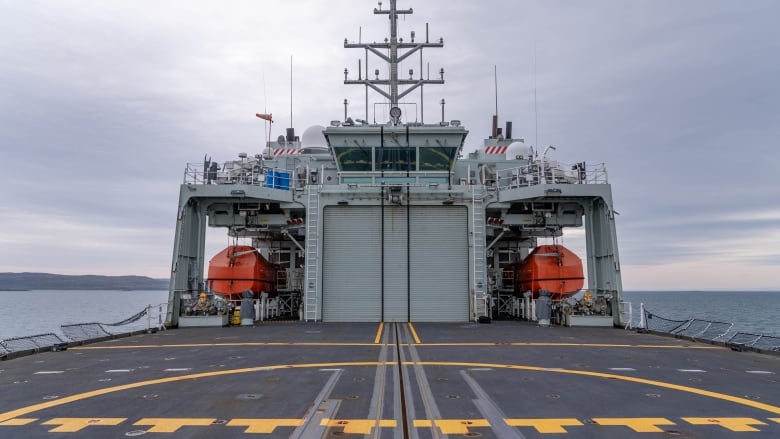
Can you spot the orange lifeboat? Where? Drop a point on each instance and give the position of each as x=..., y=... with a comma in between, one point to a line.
x=548, y=267
x=239, y=268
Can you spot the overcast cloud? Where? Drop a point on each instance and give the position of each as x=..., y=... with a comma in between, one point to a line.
x=103, y=103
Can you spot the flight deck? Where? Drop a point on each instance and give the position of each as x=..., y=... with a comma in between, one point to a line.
x=507, y=379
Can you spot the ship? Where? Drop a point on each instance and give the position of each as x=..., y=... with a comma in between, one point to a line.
x=409, y=278
x=382, y=215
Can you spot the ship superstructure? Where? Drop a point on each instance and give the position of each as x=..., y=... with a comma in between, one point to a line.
x=387, y=221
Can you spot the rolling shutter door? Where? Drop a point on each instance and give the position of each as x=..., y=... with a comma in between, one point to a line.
x=396, y=268
x=439, y=257
x=351, y=264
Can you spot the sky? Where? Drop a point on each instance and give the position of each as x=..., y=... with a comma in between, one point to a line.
x=103, y=103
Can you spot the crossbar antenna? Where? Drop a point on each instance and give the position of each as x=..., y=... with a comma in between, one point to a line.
x=397, y=51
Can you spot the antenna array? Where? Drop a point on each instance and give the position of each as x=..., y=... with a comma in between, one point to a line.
x=388, y=51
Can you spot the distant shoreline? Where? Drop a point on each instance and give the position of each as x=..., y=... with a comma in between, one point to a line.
x=30, y=290
x=49, y=281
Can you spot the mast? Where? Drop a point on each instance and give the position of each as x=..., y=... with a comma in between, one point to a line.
x=397, y=51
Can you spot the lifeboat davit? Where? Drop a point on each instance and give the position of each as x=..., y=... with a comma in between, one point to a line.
x=548, y=267
x=239, y=268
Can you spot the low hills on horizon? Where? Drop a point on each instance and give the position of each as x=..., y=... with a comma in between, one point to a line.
x=48, y=281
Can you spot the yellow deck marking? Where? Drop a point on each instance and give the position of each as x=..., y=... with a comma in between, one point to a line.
x=414, y=333
x=545, y=425
x=107, y=390
x=18, y=421
x=566, y=345
x=71, y=425
x=264, y=425
x=452, y=426
x=735, y=399
x=81, y=396
x=733, y=424
x=217, y=345
x=358, y=426
x=170, y=425
x=379, y=332
x=640, y=425
x=366, y=426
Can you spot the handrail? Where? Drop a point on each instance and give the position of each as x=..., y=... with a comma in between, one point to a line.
x=541, y=172
x=82, y=332
x=708, y=330
x=250, y=173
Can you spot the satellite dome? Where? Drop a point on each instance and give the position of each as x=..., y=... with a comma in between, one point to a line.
x=519, y=151
x=313, y=137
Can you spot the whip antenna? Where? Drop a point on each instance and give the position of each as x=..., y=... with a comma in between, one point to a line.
x=536, y=111
x=495, y=85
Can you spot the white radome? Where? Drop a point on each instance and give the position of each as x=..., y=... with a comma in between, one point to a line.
x=313, y=137
x=519, y=151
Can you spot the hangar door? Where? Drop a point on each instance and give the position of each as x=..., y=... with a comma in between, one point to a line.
x=351, y=264
x=439, y=264
x=395, y=264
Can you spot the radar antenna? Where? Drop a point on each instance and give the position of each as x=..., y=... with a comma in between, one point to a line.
x=393, y=58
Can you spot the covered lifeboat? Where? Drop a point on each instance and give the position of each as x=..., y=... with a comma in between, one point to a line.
x=239, y=268
x=548, y=267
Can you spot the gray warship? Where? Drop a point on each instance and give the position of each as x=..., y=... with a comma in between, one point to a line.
x=398, y=303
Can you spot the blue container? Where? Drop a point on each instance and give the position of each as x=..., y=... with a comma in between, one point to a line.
x=282, y=180
x=269, y=178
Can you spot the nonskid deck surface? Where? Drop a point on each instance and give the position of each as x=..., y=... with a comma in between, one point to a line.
x=395, y=380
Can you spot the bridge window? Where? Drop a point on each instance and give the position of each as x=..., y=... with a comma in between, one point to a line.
x=354, y=158
x=437, y=158
x=396, y=159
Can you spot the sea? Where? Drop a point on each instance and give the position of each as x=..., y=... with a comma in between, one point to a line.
x=756, y=312
x=36, y=312
x=43, y=311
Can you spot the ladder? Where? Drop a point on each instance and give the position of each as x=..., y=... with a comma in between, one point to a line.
x=479, y=286
x=281, y=280
x=310, y=303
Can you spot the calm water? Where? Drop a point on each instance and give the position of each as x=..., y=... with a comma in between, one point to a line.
x=41, y=311
x=750, y=311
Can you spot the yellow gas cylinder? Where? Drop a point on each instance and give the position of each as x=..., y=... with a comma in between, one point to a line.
x=236, y=318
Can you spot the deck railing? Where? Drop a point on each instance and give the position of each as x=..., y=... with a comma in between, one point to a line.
x=538, y=172
x=250, y=173
x=84, y=332
x=704, y=330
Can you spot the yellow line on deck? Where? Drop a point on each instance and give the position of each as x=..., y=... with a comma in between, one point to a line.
x=171, y=425
x=414, y=333
x=100, y=392
x=722, y=396
x=19, y=421
x=368, y=426
x=379, y=332
x=567, y=345
x=545, y=425
x=733, y=424
x=107, y=390
x=217, y=345
x=72, y=425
